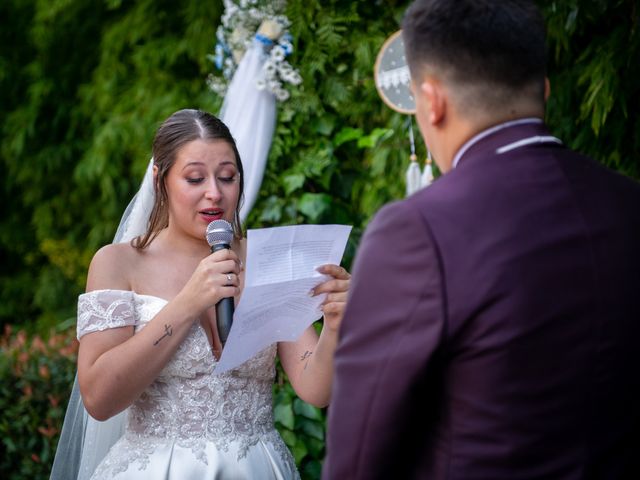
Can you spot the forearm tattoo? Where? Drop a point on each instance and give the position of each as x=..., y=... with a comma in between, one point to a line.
x=305, y=356
x=168, y=331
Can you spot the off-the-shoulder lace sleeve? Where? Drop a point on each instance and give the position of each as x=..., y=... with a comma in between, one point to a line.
x=102, y=309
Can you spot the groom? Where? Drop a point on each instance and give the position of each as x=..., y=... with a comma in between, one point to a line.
x=493, y=322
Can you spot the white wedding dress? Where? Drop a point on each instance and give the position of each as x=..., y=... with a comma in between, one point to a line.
x=191, y=423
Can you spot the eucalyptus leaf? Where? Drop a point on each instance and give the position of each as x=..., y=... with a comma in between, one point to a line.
x=376, y=136
x=289, y=437
x=324, y=125
x=313, y=469
x=272, y=210
x=293, y=182
x=314, y=205
x=347, y=134
x=312, y=428
x=283, y=413
x=306, y=410
x=316, y=446
x=299, y=451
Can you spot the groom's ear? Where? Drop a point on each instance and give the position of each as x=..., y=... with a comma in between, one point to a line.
x=435, y=94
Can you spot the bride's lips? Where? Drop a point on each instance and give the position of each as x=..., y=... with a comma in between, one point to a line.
x=211, y=214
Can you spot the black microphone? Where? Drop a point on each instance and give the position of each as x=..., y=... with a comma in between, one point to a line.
x=219, y=236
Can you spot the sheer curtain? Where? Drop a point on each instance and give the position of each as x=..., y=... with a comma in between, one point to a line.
x=250, y=115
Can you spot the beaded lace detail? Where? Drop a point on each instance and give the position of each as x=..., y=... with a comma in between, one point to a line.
x=188, y=403
x=102, y=309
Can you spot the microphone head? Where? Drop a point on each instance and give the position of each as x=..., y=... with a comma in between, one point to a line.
x=219, y=232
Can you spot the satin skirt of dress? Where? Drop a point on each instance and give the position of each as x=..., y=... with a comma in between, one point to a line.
x=172, y=461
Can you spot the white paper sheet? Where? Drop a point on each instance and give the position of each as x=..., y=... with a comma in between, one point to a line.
x=280, y=272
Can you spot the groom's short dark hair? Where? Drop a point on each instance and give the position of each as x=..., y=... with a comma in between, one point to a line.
x=496, y=48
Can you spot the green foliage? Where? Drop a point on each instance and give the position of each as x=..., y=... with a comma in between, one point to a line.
x=594, y=66
x=302, y=427
x=85, y=83
x=85, y=87
x=36, y=376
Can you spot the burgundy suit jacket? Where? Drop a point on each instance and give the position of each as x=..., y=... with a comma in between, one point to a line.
x=493, y=325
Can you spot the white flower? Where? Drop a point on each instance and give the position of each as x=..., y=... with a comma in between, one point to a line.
x=281, y=94
x=216, y=84
x=286, y=77
x=273, y=85
x=269, y=68
x=277, y=53
x=295, y=78
x=284, y=69
x=261, y=84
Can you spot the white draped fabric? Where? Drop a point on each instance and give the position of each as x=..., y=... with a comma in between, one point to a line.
x=250, y=115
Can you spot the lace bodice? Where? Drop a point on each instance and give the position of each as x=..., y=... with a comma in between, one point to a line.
x=188, y=402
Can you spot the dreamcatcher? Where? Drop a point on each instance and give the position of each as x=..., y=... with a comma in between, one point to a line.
x=392, y=81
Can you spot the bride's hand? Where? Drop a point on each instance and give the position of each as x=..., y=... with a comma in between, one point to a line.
x=215, y=278
x=337, y=290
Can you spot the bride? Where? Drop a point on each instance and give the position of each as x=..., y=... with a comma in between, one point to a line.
x=148, y=337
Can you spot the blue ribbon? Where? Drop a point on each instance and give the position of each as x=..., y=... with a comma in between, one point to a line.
x=264, y=40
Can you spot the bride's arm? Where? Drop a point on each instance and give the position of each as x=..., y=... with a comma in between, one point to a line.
x=308, y=362
x=115, y=366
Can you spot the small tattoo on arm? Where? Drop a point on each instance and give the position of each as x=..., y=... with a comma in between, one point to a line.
x=168, y=331
x=305, y=356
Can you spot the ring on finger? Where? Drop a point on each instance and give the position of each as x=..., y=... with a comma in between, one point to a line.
x=228, y=277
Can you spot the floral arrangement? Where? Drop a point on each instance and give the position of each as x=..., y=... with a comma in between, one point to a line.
x=244, y=22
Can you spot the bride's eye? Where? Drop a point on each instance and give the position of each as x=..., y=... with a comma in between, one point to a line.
x=228, y=178
x=195, y=180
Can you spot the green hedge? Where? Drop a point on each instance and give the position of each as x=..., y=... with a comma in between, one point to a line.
x=36, y=377
x=302, y=427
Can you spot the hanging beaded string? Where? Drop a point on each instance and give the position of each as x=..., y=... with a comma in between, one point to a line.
x=413, y=156
x=427, y=173
x=413, y=172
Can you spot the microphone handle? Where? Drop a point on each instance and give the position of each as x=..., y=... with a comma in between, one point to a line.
x=224, y=308
x=224, y=318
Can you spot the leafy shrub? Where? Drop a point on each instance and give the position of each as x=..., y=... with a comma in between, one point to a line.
x=36, y=378
x=302, y=427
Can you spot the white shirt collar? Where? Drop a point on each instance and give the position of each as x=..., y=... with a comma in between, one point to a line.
x=489, y=131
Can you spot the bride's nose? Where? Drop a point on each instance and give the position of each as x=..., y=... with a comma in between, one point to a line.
x=213, y=190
